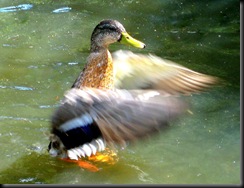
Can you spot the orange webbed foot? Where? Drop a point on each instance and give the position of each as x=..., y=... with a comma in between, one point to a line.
x=83, y=164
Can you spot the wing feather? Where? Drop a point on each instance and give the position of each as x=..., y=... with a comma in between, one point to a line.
x=135, y=71
x=121, y=115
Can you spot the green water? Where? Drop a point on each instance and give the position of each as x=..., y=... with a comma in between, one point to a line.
x=43, y=47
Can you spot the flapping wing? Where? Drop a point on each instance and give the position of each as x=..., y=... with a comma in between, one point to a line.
x=149, y=71
x=121, y=115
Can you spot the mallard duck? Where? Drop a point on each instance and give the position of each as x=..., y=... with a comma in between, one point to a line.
x=119, y=98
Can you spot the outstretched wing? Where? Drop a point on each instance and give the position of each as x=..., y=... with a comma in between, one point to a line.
x=149, y=71
x=120, y=115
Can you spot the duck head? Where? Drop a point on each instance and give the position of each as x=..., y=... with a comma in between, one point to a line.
x=56, y=148
x=111, y=31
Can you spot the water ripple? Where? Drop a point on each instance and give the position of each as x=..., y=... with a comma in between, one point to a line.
x=63, y=9
x=21, y=88
x=48, y=106
x=143, y=176
x=16, y=8
x=25, y=180
x=23, y=118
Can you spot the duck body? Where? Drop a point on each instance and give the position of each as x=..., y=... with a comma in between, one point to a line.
x=119, y=98
x=98, y=72
x=74, y=135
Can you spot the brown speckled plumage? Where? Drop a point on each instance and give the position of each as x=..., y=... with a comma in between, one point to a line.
x=98, y=72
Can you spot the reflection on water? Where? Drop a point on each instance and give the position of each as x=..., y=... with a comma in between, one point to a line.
x=44, y=45
x=23, y=88
x=63, y=9
x=16, y=8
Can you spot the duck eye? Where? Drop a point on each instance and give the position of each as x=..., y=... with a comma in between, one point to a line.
x=127, y=37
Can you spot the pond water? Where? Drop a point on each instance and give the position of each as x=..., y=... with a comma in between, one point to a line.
x=43, y=47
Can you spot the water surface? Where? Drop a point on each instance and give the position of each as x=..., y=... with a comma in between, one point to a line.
x=44, y=45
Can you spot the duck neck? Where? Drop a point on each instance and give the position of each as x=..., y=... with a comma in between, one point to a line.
x=98, y=71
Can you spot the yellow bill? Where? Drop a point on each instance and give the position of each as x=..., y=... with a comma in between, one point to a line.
x=128, y=40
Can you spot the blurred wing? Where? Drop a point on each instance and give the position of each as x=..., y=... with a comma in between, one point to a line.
x=123, y=115
x=149, y=71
